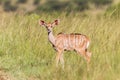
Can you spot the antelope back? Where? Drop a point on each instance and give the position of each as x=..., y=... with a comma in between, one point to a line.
x=71, y=41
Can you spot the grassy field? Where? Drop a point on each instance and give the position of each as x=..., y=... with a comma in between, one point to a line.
x=26, y=54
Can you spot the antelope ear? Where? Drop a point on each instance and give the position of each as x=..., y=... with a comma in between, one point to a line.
x=56, y=22
x=42, y=23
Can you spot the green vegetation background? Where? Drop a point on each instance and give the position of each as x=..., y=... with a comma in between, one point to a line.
x=26, y=54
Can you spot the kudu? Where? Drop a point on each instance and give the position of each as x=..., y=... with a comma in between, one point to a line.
x=62, y=42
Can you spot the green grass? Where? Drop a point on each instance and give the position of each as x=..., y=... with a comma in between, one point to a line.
x=25, y=52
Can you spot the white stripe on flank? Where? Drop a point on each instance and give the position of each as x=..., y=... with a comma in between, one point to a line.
x=87, y=44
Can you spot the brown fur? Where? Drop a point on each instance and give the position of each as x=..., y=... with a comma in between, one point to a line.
x=73, y=41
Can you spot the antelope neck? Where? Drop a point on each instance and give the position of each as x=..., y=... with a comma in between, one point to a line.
x=49, y=31
x=51, y=37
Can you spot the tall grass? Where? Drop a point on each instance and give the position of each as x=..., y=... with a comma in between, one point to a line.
x=26, y=54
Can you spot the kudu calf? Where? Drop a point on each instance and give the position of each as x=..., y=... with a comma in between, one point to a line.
x=62, y=42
